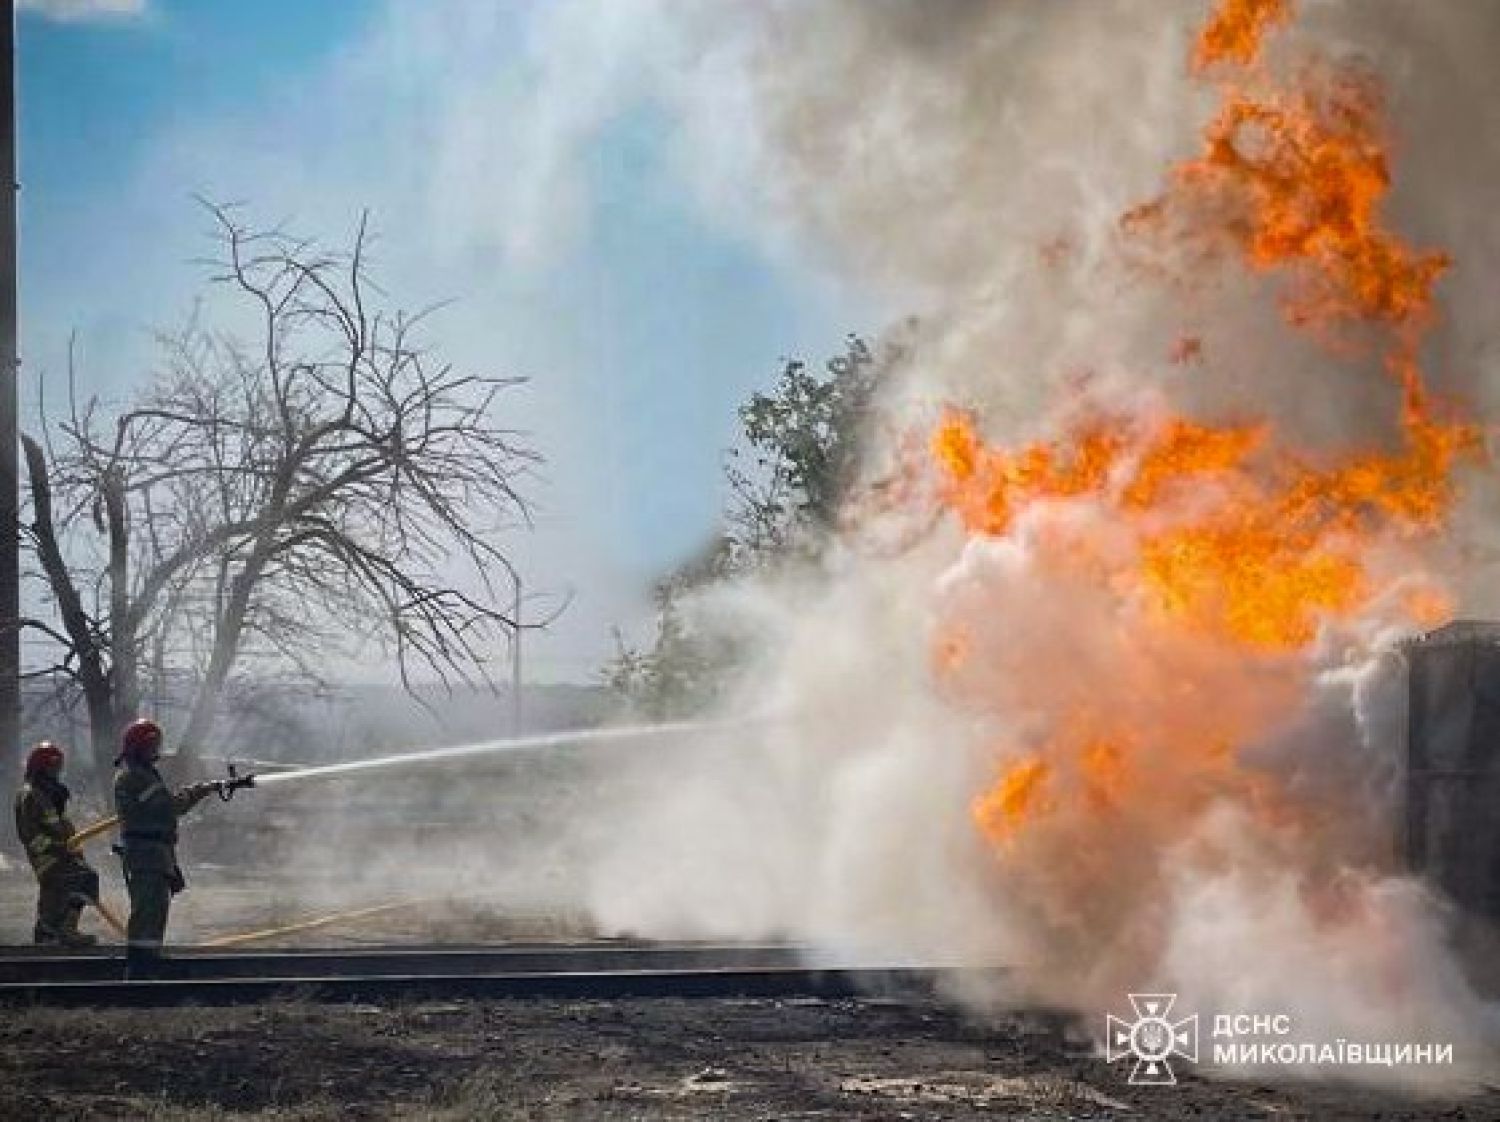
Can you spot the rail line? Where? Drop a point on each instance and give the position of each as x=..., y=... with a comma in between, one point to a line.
x=26, y=965
x=540, y=970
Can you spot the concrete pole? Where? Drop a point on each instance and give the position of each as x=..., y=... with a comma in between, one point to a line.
x=516, y=724
x=10, y=545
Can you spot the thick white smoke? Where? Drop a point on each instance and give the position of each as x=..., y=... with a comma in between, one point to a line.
x=973, y=160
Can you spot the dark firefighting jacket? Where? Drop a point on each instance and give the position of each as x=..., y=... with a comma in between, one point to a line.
x=148, y=818
x=42, y=823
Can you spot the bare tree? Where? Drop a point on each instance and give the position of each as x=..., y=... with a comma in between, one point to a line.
x=314, y=483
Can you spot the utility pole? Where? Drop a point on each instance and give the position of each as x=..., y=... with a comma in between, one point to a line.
x=515, y=662
x=10, y=531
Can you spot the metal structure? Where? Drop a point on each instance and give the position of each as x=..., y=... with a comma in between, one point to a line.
x=1452, y=819
x=43, y=964
x=10, y=543
x=574, y=971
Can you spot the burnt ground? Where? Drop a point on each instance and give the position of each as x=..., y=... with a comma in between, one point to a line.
x=640, y=1059
x=632, y=1059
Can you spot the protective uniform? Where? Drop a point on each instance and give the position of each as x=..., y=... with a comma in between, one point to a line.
x=65, y=881
x=148, y=826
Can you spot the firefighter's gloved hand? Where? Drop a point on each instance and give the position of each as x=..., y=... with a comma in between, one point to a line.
x=197, y=792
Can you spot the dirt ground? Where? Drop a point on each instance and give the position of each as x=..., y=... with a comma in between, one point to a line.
x=635, y=1059
x=641, y=1059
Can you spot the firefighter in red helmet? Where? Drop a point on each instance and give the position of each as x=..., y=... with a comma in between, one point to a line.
x=148, y=824
x=65, y=881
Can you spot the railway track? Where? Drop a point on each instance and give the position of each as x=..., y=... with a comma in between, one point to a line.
x=582, y=970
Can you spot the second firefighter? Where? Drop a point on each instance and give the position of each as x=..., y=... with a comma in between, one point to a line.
x=148, y=823
x=65, y=881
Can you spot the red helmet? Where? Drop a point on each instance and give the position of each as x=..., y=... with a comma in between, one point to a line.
x=142, y=740
x=46, y=756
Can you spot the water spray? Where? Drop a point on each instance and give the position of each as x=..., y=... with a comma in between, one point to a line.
x=516, y=744
x=491, y=747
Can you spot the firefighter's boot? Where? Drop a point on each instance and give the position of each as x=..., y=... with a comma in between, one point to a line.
x=70, y=936
x=146, y=963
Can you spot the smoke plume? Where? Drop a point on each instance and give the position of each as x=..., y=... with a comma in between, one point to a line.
x=1131, y=734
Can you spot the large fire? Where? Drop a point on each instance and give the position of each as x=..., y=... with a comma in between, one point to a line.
x=1224, y=552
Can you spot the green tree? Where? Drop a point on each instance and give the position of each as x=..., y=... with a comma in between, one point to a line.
x=799, y=457
x=796, y=464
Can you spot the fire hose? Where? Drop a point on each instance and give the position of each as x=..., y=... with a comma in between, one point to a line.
x=308, y=924
x=111, y=917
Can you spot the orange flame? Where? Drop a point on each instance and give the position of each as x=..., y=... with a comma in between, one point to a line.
x=1236, y=31
x=1019, y=793
x=1232, y=539
x=1301, y=179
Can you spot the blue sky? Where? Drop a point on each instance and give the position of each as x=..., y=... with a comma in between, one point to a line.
x=516, y=159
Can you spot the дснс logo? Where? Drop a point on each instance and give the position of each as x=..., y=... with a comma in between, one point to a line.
x=1152, y=1039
